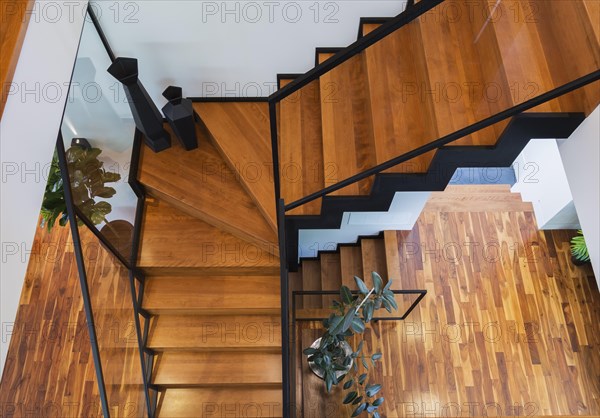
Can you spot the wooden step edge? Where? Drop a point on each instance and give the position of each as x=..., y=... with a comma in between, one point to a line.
x=370, y=21
x=284, y=78
x=210, y=271
x=270, y=247
x=323, y=53
x=210, y=311
x=269, y=349
x=220, y=402
x=268, y=385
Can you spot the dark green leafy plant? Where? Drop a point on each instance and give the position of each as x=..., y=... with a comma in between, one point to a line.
x=88, y=178
x=579, y=248
x=351, y=315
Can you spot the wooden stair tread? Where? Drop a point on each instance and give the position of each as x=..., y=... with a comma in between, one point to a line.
x=459, y=87
x=350, y=264
x=173, y=239
x=215, y=332
x=200, y=183
x=331, y=276
x=209, y=369
x=220, y=402
x=311, y=280
x=402, y=118
x=301, y=147
x=347, y=127
x=242, y=134
x=478, y=188
x=373, y=258
x=225, y=295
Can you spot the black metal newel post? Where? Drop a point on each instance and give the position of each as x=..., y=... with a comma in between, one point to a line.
x=146, y=115
x=180, y=115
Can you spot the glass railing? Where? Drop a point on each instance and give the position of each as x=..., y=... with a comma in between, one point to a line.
x=98, y=131
x=95, y=150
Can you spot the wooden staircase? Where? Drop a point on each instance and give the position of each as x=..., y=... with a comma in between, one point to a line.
x=429, y=79
x=209, y=247
x=209, y=255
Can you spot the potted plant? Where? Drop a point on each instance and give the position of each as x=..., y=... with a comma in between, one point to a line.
x=333, y=359
x=579, y=250
x=88, y=178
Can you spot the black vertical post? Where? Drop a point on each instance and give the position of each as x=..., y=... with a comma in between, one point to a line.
x=285, y=337
x=87, y=305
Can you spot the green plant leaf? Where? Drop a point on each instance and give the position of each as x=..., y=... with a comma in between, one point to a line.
x=362, y=287
x=364, y=363
x=346, y=295
x=372, y=390
x=360, y=347
x=357, y=400
x=359, y=410
x=378, y=401
x=350, y=397
x=376, y=415
x=328, y=381
x=376, y=356
x=362, y=378
x=377, y=282
x=310, y=351
x=368, y=309
x=348, y=384
x=358, y=325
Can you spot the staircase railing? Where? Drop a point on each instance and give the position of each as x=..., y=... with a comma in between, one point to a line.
x=122, y=362
x=413, y=12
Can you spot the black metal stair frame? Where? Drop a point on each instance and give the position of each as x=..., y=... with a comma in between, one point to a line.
x=521, y=129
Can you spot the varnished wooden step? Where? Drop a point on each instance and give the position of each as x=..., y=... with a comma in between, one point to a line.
x=242, y=134
x=476, y=202
x=200, y=183
x=373, y=258
x=331, y=276
x=348, y=146
x=403, y=119
x=172, y=239
x=217, y=295
x=217, y=369
x=215, y=332
x=460, y=78
x=301, y=147
x=350, y=264
x=311, y=280
x=546, y=54
x=220, y=402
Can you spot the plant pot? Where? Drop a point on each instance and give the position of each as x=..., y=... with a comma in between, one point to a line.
x=319, y=372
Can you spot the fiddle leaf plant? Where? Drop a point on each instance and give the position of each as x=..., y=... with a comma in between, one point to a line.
x=352, y=313
x=88, y=182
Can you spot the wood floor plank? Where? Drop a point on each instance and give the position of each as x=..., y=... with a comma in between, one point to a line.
x=242, y=134
x=173, y=239
x=200, y=183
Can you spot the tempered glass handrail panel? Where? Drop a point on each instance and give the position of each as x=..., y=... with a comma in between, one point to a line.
x=98, y=112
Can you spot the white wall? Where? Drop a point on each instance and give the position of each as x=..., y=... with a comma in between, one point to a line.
x=541, y=180
x=230, y=48
x=402, y=215
x=28, y=131
x=581, y=159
